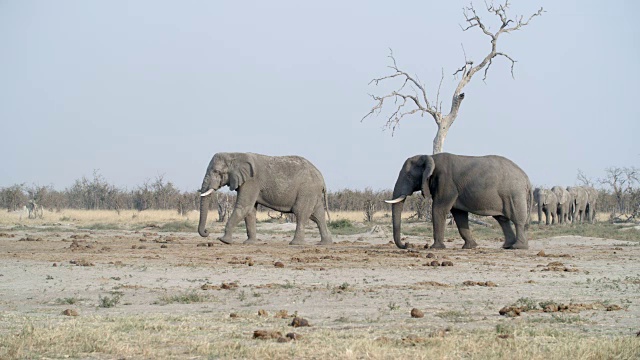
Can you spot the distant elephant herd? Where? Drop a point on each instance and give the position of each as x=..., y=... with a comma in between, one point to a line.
x=483, y=185
x=560, y=205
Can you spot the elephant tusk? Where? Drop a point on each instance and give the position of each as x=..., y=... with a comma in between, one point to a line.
x=208, y=192
x=396, y=200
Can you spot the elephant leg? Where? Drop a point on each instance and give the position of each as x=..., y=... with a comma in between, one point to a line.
x=244, y=205
x=521, y=238
x=509, y=235
x=250, y=222
x=301, y=220
x=319, y=219
x=439, y=217
x=462, y=221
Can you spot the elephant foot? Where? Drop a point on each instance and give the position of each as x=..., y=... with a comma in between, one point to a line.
x=518, y=245
x=325, y=242
x=250, y=241
x=226, y=239
x=297, y=241
x=438, y=245
x=470, y=244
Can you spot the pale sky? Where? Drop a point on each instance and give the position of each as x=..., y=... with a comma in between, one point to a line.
x=137, y=89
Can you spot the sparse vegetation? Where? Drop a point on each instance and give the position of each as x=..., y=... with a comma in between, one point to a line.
x=188, y=297
x=109, y=301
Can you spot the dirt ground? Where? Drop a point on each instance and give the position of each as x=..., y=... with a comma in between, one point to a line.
x=589, y=285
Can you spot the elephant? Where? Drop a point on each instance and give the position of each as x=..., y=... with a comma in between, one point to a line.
x=579, y=198
x=547, y=203
x=289, y=184
x=564, y=203
x=592, y=199
x=484, y=185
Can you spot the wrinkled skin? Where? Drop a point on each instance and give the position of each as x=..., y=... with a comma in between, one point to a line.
x=547, y=204
x=579, y=199
x=592, y=200
x=564, y=203
x=289, y=184
x=482, y=185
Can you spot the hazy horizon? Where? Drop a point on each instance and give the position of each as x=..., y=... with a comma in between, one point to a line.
x=140, y=89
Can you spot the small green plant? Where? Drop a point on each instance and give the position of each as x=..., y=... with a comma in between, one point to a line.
x=341, y=224
x=344, y=286
x=242, y=296
x=68, y=301
x=393, y=306
x=526, y=304
x=109, y=302
x=188, y=297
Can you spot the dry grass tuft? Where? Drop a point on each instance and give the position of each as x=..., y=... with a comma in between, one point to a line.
x=216, y=336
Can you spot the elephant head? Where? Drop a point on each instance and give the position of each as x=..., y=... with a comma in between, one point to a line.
x=225, y=169
x=414, y=176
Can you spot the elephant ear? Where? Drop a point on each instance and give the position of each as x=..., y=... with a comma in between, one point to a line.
x=239, y=172
x=429, y=167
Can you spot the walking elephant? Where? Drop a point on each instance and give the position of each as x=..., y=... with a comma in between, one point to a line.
x=289, y=184
x=592, y=200
x=547, y=204
x=579, y=198
x=484, y=185
x=564, y=203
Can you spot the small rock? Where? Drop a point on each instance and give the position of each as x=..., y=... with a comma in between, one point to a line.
x=434, y=263
x=278, y=264
x=209, y=244
x=70, y=312
x=262, y=312
x=299, y=322
x=431, y=255
x=55, y=265
x=541, y=253
x=417, y=313
x=163, y=246
x=294, y=336
x=283, y=339
x=447, y=263
x=613, y=307
x=233, y=315
x=202, y=245
x=282, y=314
x=491, y=284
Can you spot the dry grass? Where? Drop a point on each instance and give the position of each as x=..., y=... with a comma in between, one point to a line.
x=210, y=336
x=127, y=219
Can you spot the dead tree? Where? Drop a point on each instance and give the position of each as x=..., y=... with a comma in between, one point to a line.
x=411, y=97
x=369, y=209
x=224, y=206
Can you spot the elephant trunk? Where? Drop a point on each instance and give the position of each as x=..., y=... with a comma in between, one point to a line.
x=401, y=190
x=204, y=209
x=396, y=217
x=539, y=211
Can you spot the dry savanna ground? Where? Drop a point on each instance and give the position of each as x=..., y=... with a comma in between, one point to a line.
x=142, y=285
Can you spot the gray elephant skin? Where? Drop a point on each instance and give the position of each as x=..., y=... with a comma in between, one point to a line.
x=579, y=199
x=547, y=204
x=289, y=184
x=483, y=185
x=564, y=203
x=592, y=200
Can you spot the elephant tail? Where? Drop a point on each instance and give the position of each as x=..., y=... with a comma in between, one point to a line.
x=529, y=205
x=326, y=204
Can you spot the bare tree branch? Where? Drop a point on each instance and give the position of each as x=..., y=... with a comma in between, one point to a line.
x=407, y=104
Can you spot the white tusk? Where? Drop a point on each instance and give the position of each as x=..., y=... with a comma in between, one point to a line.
x=397, y=200
x=208, y=192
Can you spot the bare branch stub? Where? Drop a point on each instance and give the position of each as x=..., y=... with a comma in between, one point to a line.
x=407, y=104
